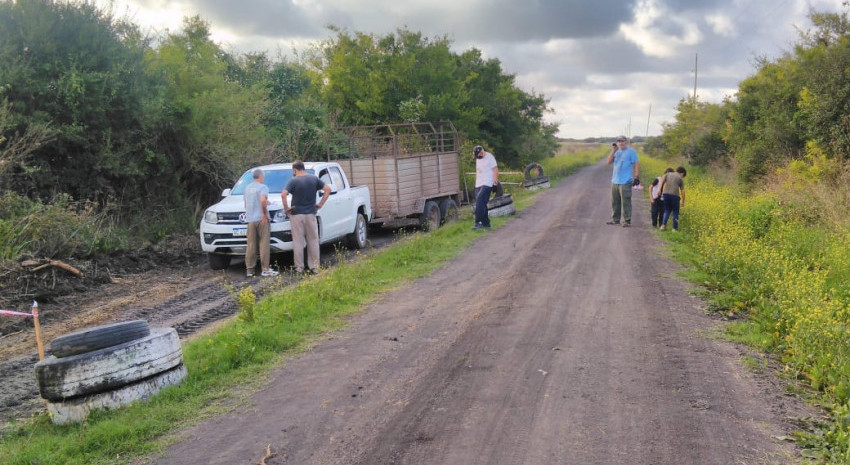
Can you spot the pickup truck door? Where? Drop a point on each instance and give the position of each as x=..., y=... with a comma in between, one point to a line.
x=337, y=215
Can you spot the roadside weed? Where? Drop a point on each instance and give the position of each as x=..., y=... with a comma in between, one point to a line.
x=761, y=260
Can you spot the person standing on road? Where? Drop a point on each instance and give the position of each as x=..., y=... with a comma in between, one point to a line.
x=626, y=171
x=256, y=201
x=302, y=215
x=486, y=177
x=672, y=184
x=656, y=201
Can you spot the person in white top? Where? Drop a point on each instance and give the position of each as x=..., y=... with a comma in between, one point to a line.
x=486, y=177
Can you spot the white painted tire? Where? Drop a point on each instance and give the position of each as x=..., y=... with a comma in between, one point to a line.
x=109, y=368
x=504, y=210
x=76, y=410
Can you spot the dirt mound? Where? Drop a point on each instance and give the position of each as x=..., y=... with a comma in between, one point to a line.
x=46, y=280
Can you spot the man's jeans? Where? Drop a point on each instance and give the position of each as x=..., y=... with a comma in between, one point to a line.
x=621, y=199
x=482, y=196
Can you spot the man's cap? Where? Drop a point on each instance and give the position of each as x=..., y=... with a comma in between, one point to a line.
x=477, y=149
x=622, y=138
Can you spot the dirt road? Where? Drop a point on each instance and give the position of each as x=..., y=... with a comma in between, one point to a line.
x=554, y=339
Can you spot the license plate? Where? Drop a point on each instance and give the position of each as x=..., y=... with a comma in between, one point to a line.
x=240, y=232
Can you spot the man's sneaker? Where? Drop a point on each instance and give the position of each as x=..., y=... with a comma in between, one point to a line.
x=267, y=273
x=627, y=224
x=313, y=271
x=477, y=226
x=249, y=274
x=612, y=222
x=662, y=227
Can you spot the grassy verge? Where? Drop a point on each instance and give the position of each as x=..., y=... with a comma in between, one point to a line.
x=247, y=348
x=785, y=282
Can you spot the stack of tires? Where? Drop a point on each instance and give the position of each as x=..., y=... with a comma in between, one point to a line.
x=534, y=178
x=500, y=205
x=107, y=367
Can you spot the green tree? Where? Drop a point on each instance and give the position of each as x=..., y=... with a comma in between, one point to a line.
x=210, y=127
x=698, y=131
x=404, y=76
x=764, y=131
x=74, y=69
x=824, y=56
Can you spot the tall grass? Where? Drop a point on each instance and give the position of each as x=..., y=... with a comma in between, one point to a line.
x=761, y=257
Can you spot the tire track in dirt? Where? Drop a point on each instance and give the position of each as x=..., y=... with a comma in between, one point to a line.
x=190, y=310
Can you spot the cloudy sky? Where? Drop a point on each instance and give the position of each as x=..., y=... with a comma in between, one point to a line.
x=602, y=63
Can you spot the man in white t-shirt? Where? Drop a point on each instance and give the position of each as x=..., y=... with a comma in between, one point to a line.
x=486, y=176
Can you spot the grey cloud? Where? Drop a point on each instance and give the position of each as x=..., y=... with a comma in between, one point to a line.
x=280, y=18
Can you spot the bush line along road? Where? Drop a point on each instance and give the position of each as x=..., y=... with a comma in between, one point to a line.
x=553, y=339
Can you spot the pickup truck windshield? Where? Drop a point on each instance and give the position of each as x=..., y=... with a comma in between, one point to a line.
x=275, y=179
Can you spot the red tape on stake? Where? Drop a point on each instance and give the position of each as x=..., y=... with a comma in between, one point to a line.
x=11, y=313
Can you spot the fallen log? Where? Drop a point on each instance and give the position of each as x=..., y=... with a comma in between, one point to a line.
x=54, y=263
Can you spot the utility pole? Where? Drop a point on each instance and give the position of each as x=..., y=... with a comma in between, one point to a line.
x=647, y=119
x=696, y=71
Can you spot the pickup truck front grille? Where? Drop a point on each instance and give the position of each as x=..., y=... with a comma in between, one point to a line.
x=231, y=218
x=230, y=240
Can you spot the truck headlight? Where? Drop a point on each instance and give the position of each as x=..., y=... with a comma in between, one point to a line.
x=211, y=217
x=279, y=216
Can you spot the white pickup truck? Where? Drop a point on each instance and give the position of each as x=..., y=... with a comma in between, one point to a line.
x=345, y=215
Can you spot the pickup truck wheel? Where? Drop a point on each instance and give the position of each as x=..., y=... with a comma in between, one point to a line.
x=109, y=368
x=99, y=337
x=430, y=219
x=448, y=211
x=359, y=238
x=218, y=261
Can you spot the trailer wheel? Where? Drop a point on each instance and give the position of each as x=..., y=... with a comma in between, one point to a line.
x=218, y=261
x=448, y=211
x=99, y=337
x=430, y=218
x=359, y=237
x=108, y=368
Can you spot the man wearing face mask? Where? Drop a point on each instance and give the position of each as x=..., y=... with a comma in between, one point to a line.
x=486, y=176
x=626, y=172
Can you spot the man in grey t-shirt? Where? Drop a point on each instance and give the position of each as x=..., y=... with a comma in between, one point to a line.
x=256, y=198
x=302, y=215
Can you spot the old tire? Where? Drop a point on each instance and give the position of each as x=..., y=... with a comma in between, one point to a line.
x=430, y=218
x=448, y=211
x=504, y=210
x=498, y=190
x=533, y=167
x=99, y=337
x=218, y=261
x=108, y=368
x=359, y=238
x=499, y=202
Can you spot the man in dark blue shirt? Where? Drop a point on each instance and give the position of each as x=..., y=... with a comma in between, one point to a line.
x=302, y=215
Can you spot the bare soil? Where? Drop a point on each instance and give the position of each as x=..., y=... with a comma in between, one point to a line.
x=169, y=285
x=554, y=339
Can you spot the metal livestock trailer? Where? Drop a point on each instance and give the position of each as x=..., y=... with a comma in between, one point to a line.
x=412, y=170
